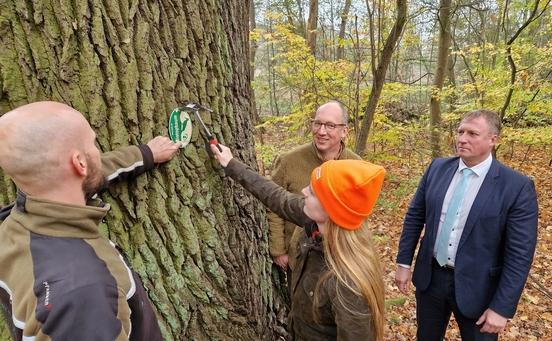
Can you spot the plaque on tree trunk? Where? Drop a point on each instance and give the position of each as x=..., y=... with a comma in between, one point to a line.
x=180, y=127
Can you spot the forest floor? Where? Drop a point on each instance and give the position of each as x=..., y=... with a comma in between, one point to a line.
x=533, y=319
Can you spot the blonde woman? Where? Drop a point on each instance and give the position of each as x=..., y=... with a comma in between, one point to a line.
x=337, y=284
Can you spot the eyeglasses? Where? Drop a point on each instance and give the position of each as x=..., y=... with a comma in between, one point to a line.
x=316, y=125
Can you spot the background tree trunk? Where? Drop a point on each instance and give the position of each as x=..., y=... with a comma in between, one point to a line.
x=379, y=76
x=443, y=53
x=451, y=81
x=253, y=45
x=197, y=241
x=342, y=26
x=300, y=17
x=312, y=25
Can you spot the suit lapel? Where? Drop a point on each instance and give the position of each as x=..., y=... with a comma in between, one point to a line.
x=487, y=188
x=442, y=186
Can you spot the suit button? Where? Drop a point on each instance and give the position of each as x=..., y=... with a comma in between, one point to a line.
x=311, y=293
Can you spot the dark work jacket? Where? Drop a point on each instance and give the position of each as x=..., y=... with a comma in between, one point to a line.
x=334, y=321
x=61, y=280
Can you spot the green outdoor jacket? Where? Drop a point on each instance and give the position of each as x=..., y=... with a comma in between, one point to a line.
x=334, y=322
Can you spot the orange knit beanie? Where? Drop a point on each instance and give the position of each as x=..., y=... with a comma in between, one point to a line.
x=347, y=189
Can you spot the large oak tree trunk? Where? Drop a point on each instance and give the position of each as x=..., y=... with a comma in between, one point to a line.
x=197, y=241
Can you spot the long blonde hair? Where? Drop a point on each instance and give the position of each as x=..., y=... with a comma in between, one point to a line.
x=352, y=259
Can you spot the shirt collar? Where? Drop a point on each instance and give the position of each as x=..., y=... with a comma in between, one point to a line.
x=480, y=169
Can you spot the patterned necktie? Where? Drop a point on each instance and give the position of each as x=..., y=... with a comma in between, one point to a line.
x=451, y=215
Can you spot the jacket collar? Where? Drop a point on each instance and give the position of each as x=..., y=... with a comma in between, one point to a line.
x=319, y=156
x=59, y=219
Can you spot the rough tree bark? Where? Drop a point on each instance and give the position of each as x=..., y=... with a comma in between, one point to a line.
x=379, y=76
x=443, y=53
x=197, y=241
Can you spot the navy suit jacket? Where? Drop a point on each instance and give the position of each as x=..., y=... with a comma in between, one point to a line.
x=496, y=247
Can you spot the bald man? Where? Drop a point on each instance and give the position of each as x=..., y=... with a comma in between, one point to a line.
x=59, y=278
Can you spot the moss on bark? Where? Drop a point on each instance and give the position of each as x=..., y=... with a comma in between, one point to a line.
x=198, y=242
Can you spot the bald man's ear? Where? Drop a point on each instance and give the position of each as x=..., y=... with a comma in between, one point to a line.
x=78, y=161
x=344, y=132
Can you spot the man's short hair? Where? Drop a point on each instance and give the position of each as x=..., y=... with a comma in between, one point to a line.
x=492, y=118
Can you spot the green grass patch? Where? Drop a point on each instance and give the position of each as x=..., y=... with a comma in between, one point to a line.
x=395, y=302
x=380, y=238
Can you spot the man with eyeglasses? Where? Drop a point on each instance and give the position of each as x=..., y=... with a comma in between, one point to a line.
x=292, y=171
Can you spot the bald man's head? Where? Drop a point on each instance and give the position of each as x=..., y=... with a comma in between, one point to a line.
x=338, y=108
x=36, y=140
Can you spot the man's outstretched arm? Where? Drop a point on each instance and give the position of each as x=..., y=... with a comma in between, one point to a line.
x=129, y=162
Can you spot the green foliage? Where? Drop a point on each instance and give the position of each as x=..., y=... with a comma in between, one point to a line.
x=313, y=80
x=267, y=153
x=378, y=238
x=395, y=301
x=395, y=92
x=281, y=127
x=293, y=122
x=300, y=81
x=256, y=35
x=389, y=136
x=394, y=320
x=491, y=71
x=538, y=136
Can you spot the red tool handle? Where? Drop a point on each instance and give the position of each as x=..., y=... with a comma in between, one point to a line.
x=213, y=140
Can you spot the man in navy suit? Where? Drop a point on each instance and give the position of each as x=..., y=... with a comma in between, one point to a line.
x=480, y=220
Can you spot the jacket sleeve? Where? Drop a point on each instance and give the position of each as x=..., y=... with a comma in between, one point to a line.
x=117, y=165
x=414, y=222
x=287, y=205
x=519, y=248
x=276, y=233
x=126, y=162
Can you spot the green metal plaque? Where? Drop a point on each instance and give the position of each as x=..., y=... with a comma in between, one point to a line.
x=180, y=127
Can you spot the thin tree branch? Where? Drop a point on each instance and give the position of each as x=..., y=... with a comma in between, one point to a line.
x=540, y=287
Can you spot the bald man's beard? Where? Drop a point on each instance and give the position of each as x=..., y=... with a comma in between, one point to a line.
x=94, y=180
